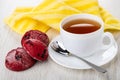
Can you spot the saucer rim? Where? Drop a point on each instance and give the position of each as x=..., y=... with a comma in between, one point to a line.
x=88, y=67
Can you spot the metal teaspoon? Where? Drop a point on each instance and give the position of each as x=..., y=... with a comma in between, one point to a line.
x=58, y=47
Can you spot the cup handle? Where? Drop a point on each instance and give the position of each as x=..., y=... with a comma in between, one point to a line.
x=110, y=40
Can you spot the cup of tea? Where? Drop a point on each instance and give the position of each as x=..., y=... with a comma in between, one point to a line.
x=83, y=34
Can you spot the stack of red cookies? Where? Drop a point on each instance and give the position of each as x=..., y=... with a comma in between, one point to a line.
x=34, y=47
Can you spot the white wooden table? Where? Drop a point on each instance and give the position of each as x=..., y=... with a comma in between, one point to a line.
x=49, y=70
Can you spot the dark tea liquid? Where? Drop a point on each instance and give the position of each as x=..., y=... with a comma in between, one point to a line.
x=81, y=26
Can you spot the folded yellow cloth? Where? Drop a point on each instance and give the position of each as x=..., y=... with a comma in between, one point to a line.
x=49, y=13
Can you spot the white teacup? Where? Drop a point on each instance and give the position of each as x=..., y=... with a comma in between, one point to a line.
x=85, y=44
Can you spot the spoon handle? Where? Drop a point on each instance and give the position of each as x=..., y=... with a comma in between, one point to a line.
x=100, y=69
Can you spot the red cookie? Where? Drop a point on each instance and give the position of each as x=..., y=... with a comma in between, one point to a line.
x=18, y=60
x=35, y=34
x=36, y=49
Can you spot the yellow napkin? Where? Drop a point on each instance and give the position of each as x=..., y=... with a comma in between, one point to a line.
x=49, y=13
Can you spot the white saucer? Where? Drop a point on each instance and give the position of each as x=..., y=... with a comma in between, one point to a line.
x=99, y=58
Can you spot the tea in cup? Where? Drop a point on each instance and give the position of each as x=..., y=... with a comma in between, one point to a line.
x=83, y=34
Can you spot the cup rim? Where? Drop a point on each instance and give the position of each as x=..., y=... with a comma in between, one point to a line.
x=91, y=15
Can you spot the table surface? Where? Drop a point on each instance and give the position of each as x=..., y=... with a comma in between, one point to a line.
x=49, y=70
